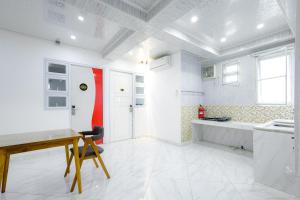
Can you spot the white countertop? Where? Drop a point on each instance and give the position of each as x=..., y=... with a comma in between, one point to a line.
x=227, y=124
x=269, y=126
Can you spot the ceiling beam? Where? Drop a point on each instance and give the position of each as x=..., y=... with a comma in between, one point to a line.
x=118, y=39
x=288, y=8
x=139, y=25
x=158, y=20
x=271, y=41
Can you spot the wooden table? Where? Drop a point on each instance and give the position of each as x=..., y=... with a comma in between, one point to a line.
x=19, y=143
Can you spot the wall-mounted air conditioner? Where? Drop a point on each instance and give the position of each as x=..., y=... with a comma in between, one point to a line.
x=161, y=63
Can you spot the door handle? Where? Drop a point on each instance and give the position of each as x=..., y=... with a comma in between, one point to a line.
x=74, y=110
x=130, y=108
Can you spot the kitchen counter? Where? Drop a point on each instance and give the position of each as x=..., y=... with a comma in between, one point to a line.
x=280, y=126
x=229, y=133
x=226, y=124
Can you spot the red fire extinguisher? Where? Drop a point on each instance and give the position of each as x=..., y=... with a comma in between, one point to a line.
x=201, y=112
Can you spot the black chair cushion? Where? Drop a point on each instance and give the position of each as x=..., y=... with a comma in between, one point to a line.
x=89, y=152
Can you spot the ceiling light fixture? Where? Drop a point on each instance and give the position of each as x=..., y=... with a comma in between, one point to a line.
x=143, y=55
x=223, y=39
x=194, y=19
x=80, y=18
x=130, y=53
x=73, y=37
x=260, y=26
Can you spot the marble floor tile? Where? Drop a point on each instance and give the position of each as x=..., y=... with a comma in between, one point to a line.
x=141, y=169
x=257, y=191
x=167, y=188
x=214, y=190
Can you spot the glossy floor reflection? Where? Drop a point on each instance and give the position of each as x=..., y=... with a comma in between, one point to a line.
x=142, y=169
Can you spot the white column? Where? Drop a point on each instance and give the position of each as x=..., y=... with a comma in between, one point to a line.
x=297, y=88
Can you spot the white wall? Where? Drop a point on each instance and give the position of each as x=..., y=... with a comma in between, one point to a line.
x=297, y=89
x=127, y=66
x=22, y=80
x=22, y=77
x=190, y=80
x=164, y=102
x=242, y=94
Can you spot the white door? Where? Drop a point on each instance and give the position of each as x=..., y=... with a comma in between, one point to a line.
x=121, y=102
x=82, y=101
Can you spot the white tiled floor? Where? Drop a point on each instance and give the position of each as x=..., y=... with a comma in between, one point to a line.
x=142, y=169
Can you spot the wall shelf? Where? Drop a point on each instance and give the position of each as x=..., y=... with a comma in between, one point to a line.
x=192, y=92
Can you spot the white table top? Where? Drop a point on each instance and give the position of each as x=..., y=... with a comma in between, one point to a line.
x=227, y=124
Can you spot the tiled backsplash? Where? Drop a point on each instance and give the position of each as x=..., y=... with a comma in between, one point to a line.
x=255, y=114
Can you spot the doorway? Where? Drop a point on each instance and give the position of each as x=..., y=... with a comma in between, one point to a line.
x=86, y=98
x=121, y=105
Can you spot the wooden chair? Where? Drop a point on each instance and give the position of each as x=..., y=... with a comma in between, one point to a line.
x=88, y=151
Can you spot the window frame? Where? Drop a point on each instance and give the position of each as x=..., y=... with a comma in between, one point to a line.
x=237, y=73
x=141, y=85
x=56, y=95
x=57, y=78
x=63, y=76
x=51, y=61
x=286, y=76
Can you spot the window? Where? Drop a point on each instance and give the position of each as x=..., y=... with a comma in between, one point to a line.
x=57, y=68
x=230, y=73
x=274, y=79
x=139, y=90
x=56, y=84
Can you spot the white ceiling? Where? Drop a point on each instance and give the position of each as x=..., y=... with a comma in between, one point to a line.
x=234, y=19
x=154, y=47
x=145, y=5
x=50, y=20
x=116, y=27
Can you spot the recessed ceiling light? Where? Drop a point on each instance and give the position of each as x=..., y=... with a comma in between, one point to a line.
x=260, y=26
x=130, y=53
x=80, y=18
x=73, y=37
x=194, y=19
x=223, y=39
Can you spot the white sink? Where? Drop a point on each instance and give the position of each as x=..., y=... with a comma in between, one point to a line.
x=278, y=125
x=284, y=123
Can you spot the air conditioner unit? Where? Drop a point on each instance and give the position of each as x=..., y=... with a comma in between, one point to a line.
x=161, y=63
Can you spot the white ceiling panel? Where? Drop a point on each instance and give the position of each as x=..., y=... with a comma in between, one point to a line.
x=155, y=48
x=112, y=27
x=145, y=5
x=236, y=20
x=53, y=19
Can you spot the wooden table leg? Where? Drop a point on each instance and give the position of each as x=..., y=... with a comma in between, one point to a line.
x=67, y=156
x=2, y=164
x=85, y=147
x=6, y=166
x=77, y=165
